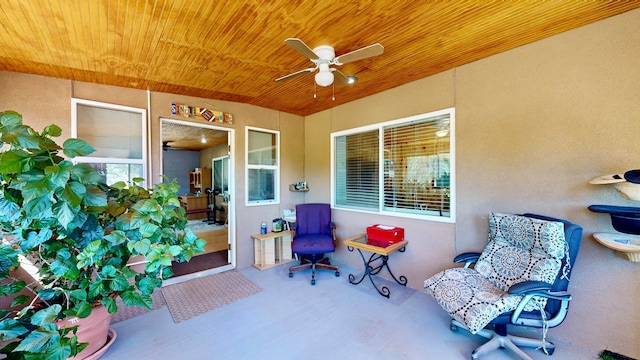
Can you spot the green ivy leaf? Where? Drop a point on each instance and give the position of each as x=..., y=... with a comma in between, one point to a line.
x=13, y=161
x=148, y=229
x=58, y=353
x=64, y=212
x=9, y=211
x=116, y=237
x=46, y=294
x=77, y=147
x=10, y=119
x=173, y=201
x=59, y=174
x=82, y=310
x=11, y=329
x=74, y=193
x=119, y=283
x=148, y=285
x=85, y=174
x=8, y=260
x=35, y=238
x=46, y=315
x=139, y=247
x=96, y=288
x=91, y=254
x=132, y=298
x=59, y=267
x=78, y=294
x=22, y=136
x=110, y=304
x=146, y=206
x=95, y=197
x=108, y=271
x=52, y=130
x=35, y=208
x=120, y=185
x=38, y=340
x=175, y=250
x=12, y=288
x=20, y=300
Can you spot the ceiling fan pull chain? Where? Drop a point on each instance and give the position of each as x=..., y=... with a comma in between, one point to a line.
x=314, y=90
x=333, y=92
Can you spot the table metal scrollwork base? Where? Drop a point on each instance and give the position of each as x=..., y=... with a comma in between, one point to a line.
x=371, y=269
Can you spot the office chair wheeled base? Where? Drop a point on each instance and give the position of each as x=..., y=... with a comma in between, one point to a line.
x=306, y=263
x=500, y=339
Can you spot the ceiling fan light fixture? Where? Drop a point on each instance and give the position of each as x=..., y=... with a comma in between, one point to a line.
x=324, y=78
x=351, y=79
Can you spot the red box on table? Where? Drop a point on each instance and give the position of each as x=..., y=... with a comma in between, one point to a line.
x=384, y=235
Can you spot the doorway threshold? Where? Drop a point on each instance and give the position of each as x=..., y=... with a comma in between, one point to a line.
x=195, y=275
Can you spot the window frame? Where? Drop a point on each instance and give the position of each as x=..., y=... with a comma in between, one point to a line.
x=275, y=168
x=113, y=160
x=380, y=127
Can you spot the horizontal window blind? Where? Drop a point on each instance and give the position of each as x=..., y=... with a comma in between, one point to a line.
x=356, y=172
x=417, y=167
x=403, y=167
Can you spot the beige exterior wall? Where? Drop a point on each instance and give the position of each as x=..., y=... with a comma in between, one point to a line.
x=533, y=126
x=43, y=101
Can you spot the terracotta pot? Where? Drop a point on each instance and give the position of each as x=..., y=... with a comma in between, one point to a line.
x=92, y=329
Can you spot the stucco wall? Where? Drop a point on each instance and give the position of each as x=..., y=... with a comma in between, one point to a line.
x=533, y=126
x=43, y=101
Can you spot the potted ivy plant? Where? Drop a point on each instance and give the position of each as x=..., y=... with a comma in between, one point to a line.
x=79, y=233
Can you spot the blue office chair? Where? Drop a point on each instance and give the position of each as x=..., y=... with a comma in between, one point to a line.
x=314, y=235
x=520, y=279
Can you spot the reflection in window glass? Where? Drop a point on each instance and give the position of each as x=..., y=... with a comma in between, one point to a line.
x=401, y=167
x=113, y=133
x=221, y=175
x=261, y=148
x=417, y=159
x=261, y=185
x=356, y=157
x=118, y=133
x=112, y=173
x=263, y=169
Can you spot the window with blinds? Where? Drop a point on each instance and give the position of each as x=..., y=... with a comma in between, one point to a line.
x=357, y=174
x=402, y=167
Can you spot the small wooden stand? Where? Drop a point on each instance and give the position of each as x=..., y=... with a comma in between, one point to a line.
x=271, y=249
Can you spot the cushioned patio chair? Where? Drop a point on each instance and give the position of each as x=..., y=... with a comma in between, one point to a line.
x=314, y=236
x=520, y=279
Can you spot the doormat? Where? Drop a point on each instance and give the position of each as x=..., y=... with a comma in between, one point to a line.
x=198, y=296
x=127, y=312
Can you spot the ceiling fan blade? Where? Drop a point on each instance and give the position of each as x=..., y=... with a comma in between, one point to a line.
x=340, y=77
x=363, y=53
x=301, y=47
x=295, y=74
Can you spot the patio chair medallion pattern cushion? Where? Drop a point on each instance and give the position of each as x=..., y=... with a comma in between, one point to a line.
x=519, y=249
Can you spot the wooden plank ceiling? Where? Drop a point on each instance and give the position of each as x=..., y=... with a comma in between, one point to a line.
x=234, y=50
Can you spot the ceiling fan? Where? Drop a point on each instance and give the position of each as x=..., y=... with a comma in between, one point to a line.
x=324, y=56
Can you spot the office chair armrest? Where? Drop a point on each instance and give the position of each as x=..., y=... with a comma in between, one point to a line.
x=542, y=289
x=467, y=258
x=538, y=288
x=526, y=287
